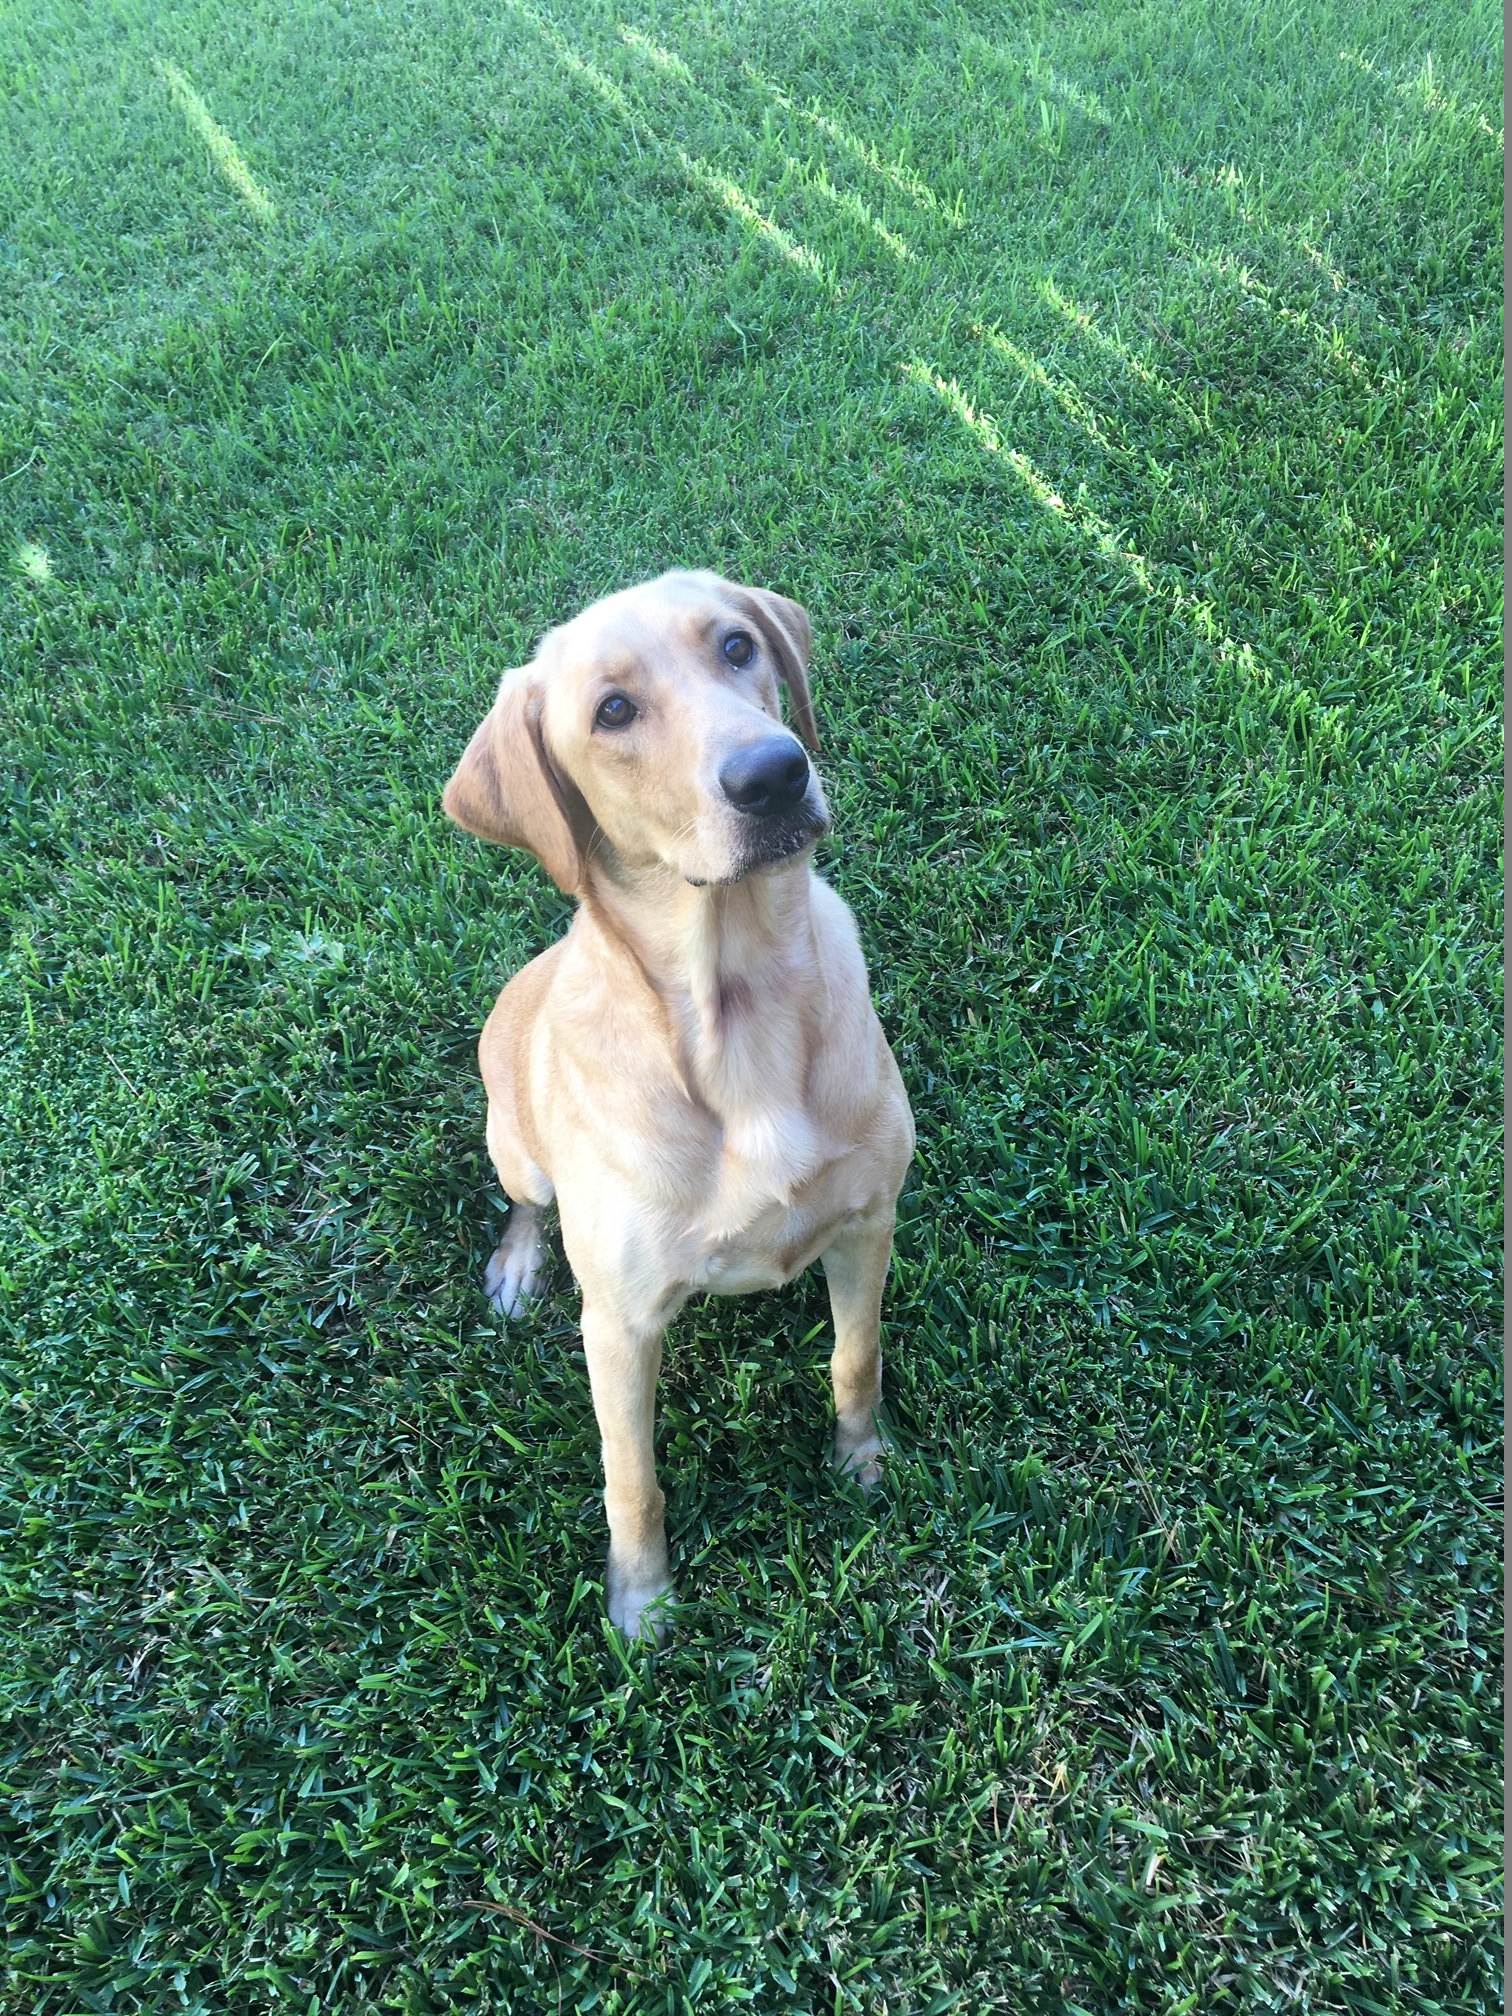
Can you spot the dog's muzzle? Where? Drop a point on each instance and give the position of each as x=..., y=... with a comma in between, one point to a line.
x=768, y=784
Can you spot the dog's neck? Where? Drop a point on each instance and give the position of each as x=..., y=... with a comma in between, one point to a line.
x=737, y=972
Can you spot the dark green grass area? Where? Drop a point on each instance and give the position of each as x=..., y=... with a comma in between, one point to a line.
x=1119, y=389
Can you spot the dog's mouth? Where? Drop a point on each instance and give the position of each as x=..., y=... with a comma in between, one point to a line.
x=774, y=842
x=782, y=838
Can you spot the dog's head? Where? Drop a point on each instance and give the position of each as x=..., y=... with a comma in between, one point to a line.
x=649, y=731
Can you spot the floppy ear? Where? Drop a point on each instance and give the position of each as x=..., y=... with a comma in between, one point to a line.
x=507, y=789
x=786, y=626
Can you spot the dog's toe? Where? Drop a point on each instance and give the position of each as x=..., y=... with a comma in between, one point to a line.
x=644, y=1613
x=512, y=1278
x=862, y=1463
x=509, y=1284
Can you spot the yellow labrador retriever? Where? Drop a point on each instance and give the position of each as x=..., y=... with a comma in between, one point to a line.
x=695, y=1073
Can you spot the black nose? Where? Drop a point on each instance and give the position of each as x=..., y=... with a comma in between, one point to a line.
x=766, y=776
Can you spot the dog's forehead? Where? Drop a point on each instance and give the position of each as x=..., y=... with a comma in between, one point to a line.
x=674, y=609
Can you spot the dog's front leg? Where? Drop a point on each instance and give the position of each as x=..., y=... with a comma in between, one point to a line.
x=855, y=1266
x=624, y=1362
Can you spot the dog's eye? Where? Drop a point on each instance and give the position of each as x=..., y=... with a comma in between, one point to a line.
x=739, y=648
x=615, y=712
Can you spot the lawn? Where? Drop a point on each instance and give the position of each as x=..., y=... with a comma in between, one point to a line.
x=1118, y=387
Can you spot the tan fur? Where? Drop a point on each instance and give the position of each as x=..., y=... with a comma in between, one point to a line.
x=695, y=1073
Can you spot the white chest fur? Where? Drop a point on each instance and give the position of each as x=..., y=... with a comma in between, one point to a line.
x=747, y=1047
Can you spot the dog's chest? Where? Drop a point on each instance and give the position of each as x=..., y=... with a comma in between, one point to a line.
x=743, y=1168
x=776, y=1195
x=772, y=1246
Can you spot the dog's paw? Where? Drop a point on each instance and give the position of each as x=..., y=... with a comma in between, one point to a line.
x=861, y=1461
x=512, y=1278
x=511, y=1282
x=641, y=1612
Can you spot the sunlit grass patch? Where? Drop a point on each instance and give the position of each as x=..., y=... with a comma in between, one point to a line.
x=1088, y=327
x=1082, y=522
x=739, y=204
x=223, y=150
x=652, y=50
x=900, y=177
x=1423, y=88
x=814, y=179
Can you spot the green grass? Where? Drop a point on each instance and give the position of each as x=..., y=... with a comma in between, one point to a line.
x=1118, y=388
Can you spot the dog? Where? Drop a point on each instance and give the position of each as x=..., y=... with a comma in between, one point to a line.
x=694, y=1074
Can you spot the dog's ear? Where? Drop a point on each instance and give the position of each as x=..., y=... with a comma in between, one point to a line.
x=787, y=629
x=507, y=789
